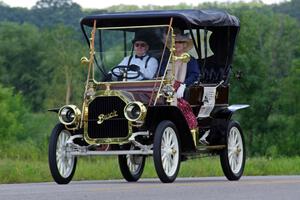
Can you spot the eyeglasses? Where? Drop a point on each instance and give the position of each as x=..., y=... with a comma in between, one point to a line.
x=142, y=44
x=180, y=42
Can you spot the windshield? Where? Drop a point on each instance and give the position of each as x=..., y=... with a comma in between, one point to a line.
x=130, y=54
x=140, y=53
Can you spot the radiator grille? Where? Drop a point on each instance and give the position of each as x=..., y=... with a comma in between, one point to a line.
x=115, y=127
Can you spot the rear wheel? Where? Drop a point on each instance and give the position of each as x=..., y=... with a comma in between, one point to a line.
x=62, y=164
x=233, y=156
x=132, y=166
x=166, y=151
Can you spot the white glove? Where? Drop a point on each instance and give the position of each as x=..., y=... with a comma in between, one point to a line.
x=180, y=91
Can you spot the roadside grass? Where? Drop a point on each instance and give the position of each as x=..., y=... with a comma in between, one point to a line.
x=102, y=168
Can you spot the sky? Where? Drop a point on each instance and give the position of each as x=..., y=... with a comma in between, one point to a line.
x=107, y=3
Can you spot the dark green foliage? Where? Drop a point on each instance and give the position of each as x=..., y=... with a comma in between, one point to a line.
x=22, y=127
x=61, y=62
x=12, y=115
x=41, y=64
x=50, y=12
x=46, y=13
x=264, y=53
x=20, y=60
x=286, y=116
x=20, y=15
x=291, y=8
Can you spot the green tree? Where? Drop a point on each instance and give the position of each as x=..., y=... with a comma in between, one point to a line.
x=286, y=117
x=52, y=12
x=12, y=115
x=62, y=63
x=289, y=7
x=45, y=13
x=41, y=64
x=53, y=3
x=266, y=47
x=19, y=50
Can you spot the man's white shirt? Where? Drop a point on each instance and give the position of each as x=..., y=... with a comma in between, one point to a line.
x=148, y=71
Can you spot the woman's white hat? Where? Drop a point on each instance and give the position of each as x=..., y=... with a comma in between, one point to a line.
x=184, y=38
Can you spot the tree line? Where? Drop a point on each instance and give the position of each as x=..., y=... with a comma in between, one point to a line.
x=40, y=50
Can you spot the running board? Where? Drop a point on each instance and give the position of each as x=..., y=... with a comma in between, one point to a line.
x=109, y=153
x=212, y=147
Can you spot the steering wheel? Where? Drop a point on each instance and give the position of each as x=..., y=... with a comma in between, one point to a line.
x=121, y=71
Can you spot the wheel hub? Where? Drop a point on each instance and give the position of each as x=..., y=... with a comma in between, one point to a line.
x=174, y=151
x=238, y=150
x=169, y=151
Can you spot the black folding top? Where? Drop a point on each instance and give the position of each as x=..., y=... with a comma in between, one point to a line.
x=181, y=18
x=224, y=27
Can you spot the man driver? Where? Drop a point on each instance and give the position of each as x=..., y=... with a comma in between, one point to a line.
x=147, y=64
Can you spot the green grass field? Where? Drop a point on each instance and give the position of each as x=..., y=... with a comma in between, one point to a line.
x=101, y=168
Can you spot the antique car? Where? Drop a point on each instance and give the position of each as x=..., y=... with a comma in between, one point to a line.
x=135, y=118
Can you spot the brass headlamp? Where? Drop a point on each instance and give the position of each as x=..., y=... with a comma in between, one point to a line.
x=69, y=115
x=135, y=111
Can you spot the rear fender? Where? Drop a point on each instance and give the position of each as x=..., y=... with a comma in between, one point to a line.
x=219, y=123
x=227, y=112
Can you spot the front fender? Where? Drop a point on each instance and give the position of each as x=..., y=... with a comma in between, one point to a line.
x=156, y=114
x=54, y=110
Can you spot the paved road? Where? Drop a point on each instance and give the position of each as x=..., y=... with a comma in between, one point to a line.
x=212, y=188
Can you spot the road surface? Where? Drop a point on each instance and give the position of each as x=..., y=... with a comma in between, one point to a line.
x=209, y=188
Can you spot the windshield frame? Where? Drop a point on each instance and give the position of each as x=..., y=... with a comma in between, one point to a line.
x=155, y=79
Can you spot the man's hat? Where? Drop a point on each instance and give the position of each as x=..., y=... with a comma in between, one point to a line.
x=142, y=36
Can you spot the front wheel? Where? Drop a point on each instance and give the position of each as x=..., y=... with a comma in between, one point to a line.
x=166, y=151
x=132, y=166
x=62, y=164
x=233, y=156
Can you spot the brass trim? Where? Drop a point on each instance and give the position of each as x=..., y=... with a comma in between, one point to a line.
x=126, y=82
x=103, y=117
x=195, y=135
x=185, y=57
x=88, y=80
x=171, y=57
x=107, y=86
x=131, y=27
x=84, y=60
x=105, y=93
